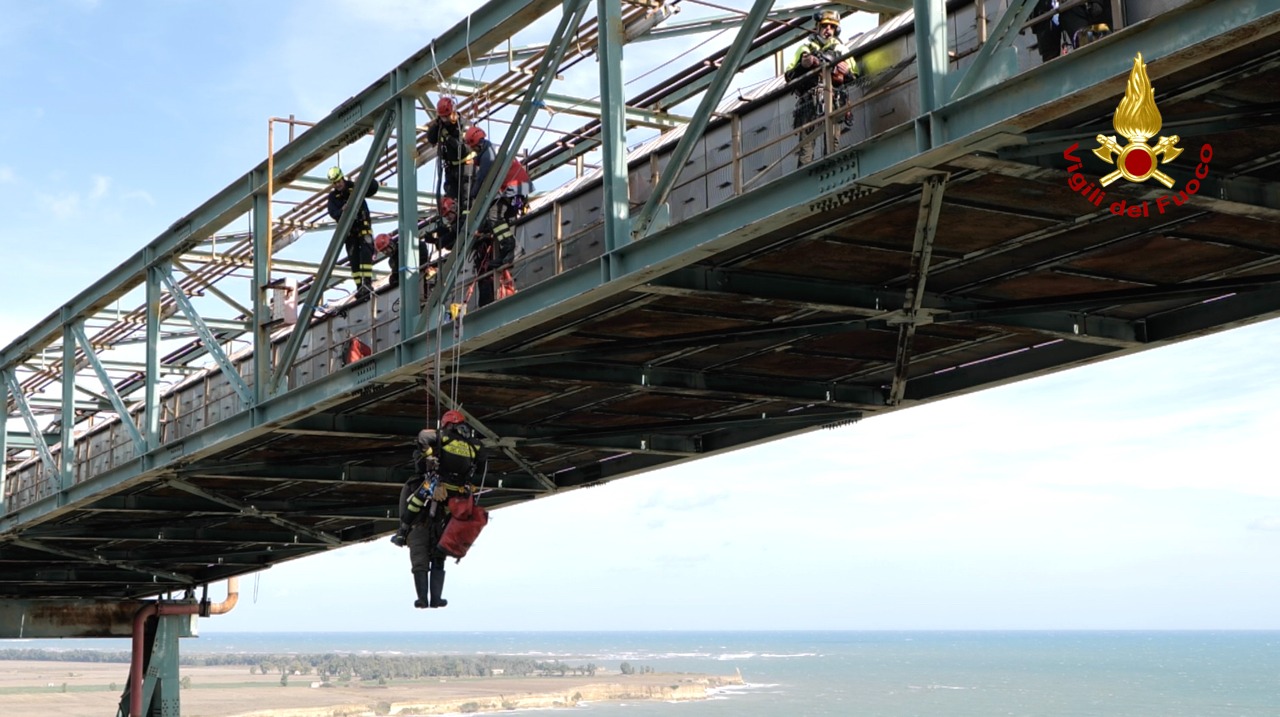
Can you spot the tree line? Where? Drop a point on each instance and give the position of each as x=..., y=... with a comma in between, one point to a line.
x=342, y=666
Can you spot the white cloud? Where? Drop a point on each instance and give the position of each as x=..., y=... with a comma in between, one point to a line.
x=6, y=175
x=62, y=206
x=1269, y=523
x=101, y=186
x=140, y=194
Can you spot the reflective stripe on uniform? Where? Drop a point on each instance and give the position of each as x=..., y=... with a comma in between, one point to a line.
x=460, y=448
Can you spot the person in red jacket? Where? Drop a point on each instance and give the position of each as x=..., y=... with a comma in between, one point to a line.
x=495, y=247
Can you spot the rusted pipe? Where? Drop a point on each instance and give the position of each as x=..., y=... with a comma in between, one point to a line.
x=139, y=630
x=233, y=596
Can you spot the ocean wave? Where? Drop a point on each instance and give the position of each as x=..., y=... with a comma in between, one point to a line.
x=790, y=654
x=936, y=687
x=747, y=687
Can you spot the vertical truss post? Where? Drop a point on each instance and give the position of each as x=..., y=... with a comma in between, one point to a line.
x=261, y=305
x=206, y=335
x=321, y=279
x=570, y=18
x=931, y=66
x=152, y=358
x=29, y=418
x=921, y=256
x=66, y=468
x=4, y=445
x=698, y=123
x=410, y=279
x=613, y=130
x=139, y=443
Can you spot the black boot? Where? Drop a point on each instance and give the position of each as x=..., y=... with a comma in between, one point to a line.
x=437, y=587
x=421, y=585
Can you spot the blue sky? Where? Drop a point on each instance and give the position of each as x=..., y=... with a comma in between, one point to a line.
x=1139, y=493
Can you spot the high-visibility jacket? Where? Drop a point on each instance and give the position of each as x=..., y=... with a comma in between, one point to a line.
x=827, y=50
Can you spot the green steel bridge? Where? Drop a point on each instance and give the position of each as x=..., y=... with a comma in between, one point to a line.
x=189, y=418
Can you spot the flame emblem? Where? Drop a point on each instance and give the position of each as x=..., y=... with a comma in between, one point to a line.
x=1137, y=120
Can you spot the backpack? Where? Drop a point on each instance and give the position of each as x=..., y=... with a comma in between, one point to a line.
x=459, y=452
x=466, y=520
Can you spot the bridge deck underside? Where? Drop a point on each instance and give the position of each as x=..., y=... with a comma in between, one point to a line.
x=809, y=325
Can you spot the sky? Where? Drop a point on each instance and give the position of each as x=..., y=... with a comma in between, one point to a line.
x=1140, y=493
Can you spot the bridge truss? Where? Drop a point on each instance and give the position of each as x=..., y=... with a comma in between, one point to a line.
x=179, y=431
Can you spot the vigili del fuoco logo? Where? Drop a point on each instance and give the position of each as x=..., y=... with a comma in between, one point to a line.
x=1138, y=120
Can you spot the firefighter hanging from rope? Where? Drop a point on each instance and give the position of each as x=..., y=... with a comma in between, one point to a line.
x=439, y=514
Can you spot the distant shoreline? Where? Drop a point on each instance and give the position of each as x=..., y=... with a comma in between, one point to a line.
x=36, y=688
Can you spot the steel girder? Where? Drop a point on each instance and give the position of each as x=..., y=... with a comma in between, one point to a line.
x=986, y=119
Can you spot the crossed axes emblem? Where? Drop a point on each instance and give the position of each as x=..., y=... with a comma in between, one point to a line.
x=1138, y=160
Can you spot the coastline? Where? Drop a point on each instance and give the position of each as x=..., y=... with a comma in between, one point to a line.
x=39, y=688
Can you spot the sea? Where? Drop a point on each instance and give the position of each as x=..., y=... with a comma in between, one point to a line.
x=871, y=674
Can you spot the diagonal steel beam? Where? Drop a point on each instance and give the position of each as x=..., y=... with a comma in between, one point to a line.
x=212, y=289
x=126, y=418
x=29, y=418
x=570, y=17
x=984, y=70
x=487, y=432
x=921, y=255
x=210, y=341
x=98, y=559
x=644, y=219
x=321, y=281
x=252, y=511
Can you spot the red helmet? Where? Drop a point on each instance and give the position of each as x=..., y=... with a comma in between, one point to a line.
x=444, y=106
x=448, y=208
x=473, y=136
x=381, y=242
x=452, y=418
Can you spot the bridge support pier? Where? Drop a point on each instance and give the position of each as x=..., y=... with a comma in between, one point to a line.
x=154, y=683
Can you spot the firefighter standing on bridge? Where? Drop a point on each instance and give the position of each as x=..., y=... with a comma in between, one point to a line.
x=494, y=248
x=456, y=162
x=821, y=49
x=359, y=239
x=446, y=462
x=436, y=235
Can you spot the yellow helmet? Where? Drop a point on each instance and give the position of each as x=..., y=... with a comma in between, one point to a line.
x=335, y=174
x=828, y=17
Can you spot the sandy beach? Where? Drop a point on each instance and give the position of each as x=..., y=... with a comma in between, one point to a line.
x=92, y=689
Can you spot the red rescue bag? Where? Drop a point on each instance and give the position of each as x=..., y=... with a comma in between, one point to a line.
x=506, y=284
x=466, y=521
x=355, y=350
